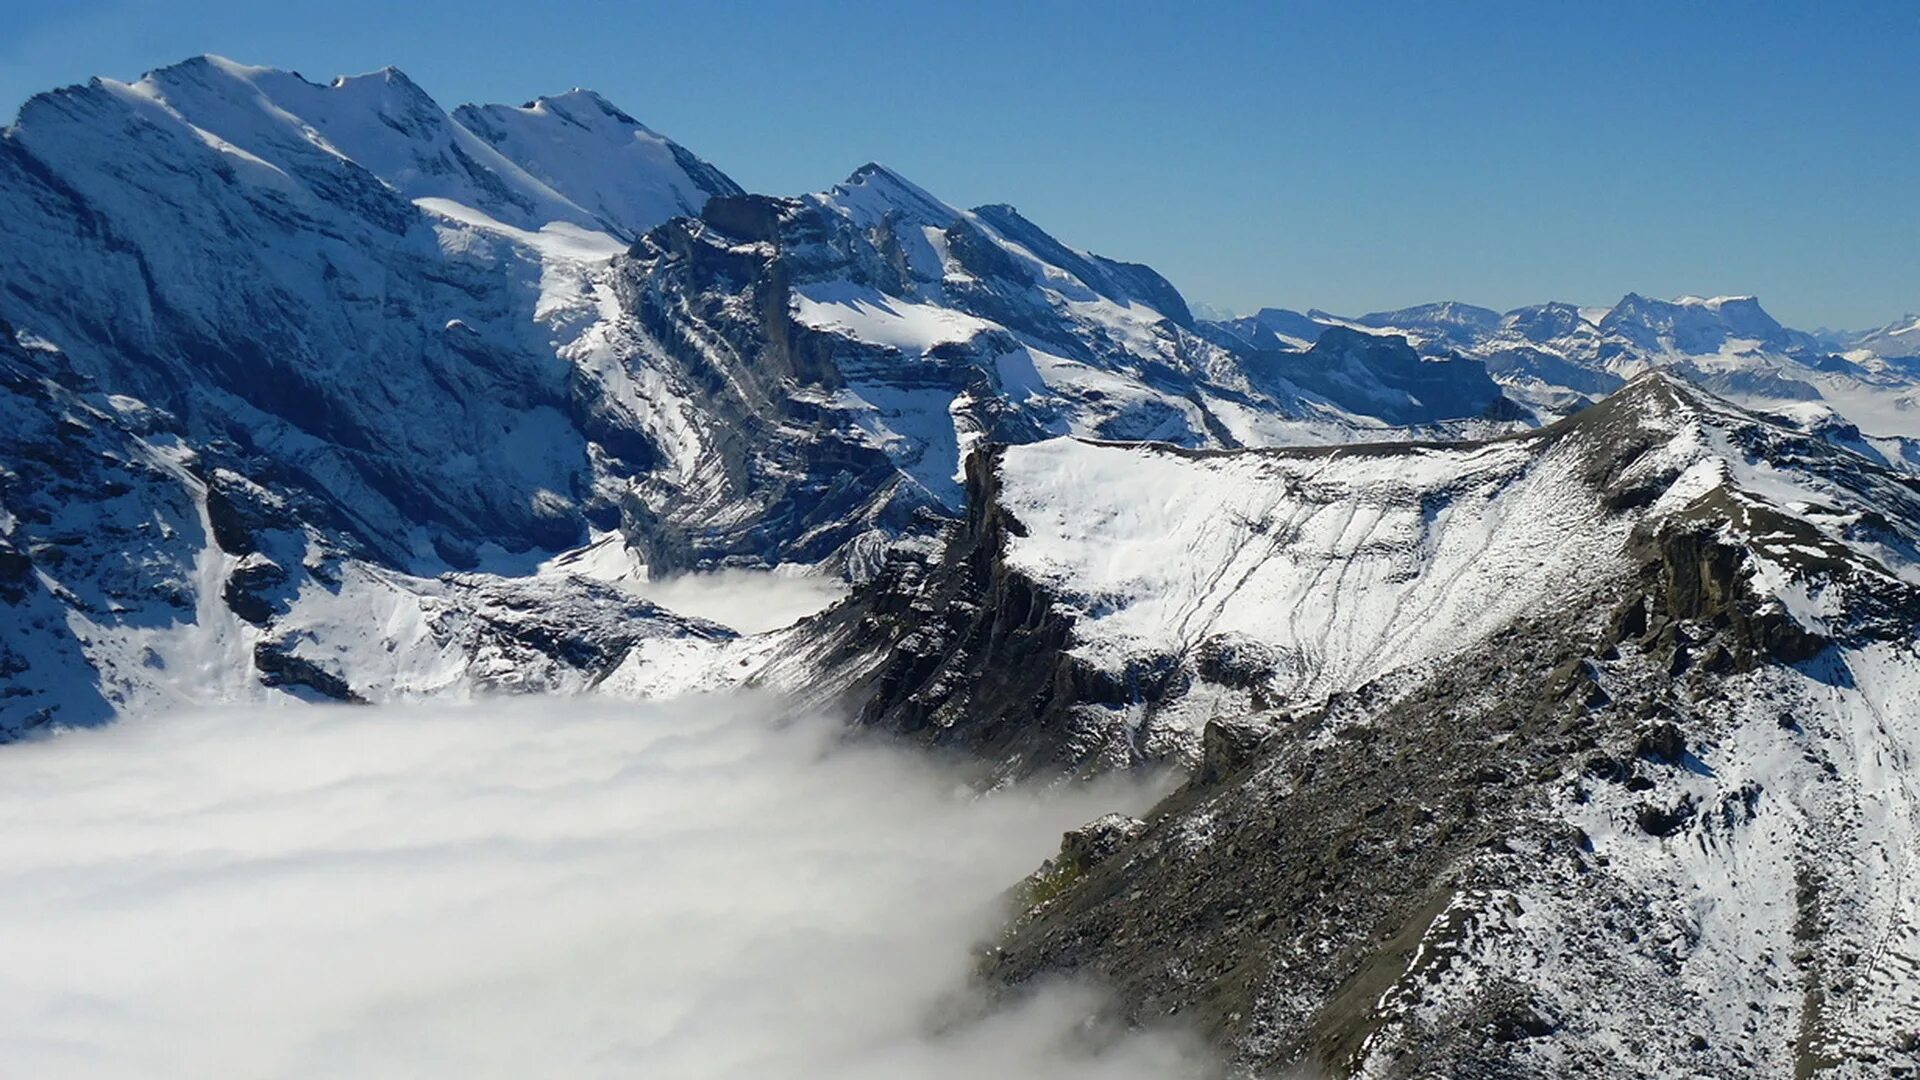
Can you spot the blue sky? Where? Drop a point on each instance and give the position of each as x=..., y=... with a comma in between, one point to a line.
x=1350, y=156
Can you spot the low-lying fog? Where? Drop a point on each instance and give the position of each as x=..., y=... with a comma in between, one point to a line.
x=750, y=601
x=520, y=889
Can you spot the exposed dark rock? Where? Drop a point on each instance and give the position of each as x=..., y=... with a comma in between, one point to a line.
x=1665, y=820
x=16, y=573
x=279, y=665
x=246, y=588
x=238, y=511
x=1227, y=745
x=1236, y=660
x=1663, y=743
x=1701, y=579
x=979, y=654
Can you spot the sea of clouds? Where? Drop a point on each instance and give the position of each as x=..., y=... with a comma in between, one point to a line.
x=518, y=889
x=750, y=601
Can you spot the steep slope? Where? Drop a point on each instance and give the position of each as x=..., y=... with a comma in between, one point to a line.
x=351, y=288
x=139, y=571
x=1488, y=738
x=627, y=176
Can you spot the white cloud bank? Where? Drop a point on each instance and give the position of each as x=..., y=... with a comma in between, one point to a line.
x=534, y=889
x=750, y=601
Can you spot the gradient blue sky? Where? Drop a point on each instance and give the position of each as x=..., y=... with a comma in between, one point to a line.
x=1351, y=156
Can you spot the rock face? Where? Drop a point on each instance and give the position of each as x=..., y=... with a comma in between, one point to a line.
x=1395, y=382
x=974, y=652
x=1544, y=724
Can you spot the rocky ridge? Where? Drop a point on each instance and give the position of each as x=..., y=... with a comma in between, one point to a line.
x=1661, y=748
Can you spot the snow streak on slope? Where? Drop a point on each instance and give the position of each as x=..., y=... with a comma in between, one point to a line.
x=1163, y=587
x=694, y=891
x=1349, y=563
x=1335, y=568
x=1346, y=562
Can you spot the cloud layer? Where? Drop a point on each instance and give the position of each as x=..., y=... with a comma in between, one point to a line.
x=750, y=601
x=546, y=888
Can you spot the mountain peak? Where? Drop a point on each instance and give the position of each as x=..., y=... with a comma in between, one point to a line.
x=1693, y=324
x=1448, y=318
x=388, y=80
x=880, y=177
x=581, y=104
x=220, y=63
x=389, y=85
x=1119, y=281
x=873, y=190
x=629, y=177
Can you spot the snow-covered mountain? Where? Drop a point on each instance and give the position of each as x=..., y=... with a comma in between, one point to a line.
x=1899, y=339
x=142, y=569
x=627, y=176
x=473, y=342
x=1860, y=390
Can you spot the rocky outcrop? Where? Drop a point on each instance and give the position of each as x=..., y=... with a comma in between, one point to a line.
x=975, y=654
x=281, y=666
x=1701, y=606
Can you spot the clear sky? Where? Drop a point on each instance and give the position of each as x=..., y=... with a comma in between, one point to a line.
x=1350, y=156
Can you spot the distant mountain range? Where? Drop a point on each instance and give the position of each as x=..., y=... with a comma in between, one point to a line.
x=1859, y=388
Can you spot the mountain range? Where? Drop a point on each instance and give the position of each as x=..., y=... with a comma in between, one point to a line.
x=1522, y=662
